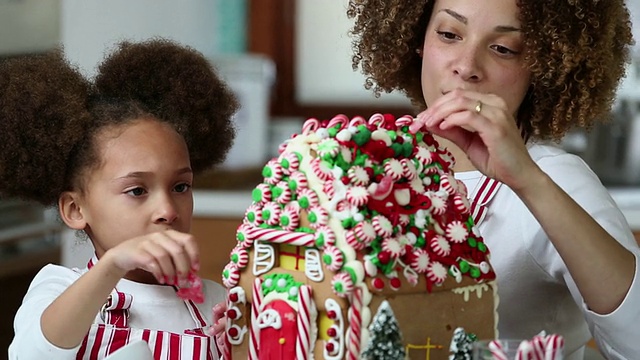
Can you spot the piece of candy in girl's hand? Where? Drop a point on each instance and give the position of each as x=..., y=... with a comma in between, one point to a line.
x=192, y=289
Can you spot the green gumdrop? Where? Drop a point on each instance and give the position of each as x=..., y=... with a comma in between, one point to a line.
x=407, y=149
x=397, y=148
x=482, y=247
x=333, y=131
x=474, y=272
x=256, y=195
x=464, y=266
x=419, y=136
x=362, y=136
x=392, y=134
x=472, y=242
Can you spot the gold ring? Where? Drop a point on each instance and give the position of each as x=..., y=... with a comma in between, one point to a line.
x=478, y=107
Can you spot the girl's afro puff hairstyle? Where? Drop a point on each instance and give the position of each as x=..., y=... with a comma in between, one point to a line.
x=50, y=114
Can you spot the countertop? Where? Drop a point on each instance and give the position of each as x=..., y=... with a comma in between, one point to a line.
x=233, y=203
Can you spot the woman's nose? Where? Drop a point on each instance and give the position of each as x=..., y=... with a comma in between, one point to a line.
x=467, y=65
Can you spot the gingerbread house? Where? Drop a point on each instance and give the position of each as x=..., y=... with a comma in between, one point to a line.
x=354, y=212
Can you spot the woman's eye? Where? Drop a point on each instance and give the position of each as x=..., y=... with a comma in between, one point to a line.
x=503, y=50
x=136, y=192
x=182, y=187
x=447, y=35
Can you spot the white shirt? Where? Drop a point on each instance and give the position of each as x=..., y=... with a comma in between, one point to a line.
x=155, y=307
x=536, y=291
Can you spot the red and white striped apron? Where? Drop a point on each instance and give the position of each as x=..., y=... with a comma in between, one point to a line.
x=481, y=197
x=104, y=339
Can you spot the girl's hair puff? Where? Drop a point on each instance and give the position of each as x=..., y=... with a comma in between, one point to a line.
x=155, y=79
x=576, y=51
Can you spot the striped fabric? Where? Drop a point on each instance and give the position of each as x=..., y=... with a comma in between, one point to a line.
x=104, y=339
x=481, y=198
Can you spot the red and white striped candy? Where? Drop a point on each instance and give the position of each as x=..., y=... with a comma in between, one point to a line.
x=335, y=258
x=393, y=247
x=358, y=176
x=355, y=325
x=283, y=236
x=284, y=196
x=456, y=232
x=357, y=120
x=353, y=241
x=289, y=162
x=342, y=284
x=404, y=120
x=554, y=347
x=273, y=172
x=448, y=184
x=271, y=213
x=365, y=231
x=340, y=119
x=290, y=218
x=358, y=196
x=240, y=256
x=438, y=204
x=265, y=193
x=394, y=169
x=382, y=225
x=326, y=234
x=230, y=275
x=436, y=272
x=329, y=189
x=300, y=179
x=409, y=169
x=321, y=169
x=317, y=216
x=420, y=260
x=424, y=156
x=253, y=215
x=440, y=245
x=497, y=350
x=310, y=125
x=376, y=120
x=461, y=203
x=309, y=195
x=254, y=334
x=243, y=236
x=303, y=338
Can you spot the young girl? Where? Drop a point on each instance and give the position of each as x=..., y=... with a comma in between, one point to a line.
x=117, y=157
x=494, y=80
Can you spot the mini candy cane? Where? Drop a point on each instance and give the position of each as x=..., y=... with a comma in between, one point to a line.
x=311, y=124
x=340, y=119
x=525, y=351
x=304, y=323
x=355, y=325
x=254, y=334
x=497, y=351
x=376, y=119
x=553, y=348
x=404, y=120
x=358, y=120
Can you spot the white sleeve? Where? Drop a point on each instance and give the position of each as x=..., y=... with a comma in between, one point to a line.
x=613, y=332
x=29, y=341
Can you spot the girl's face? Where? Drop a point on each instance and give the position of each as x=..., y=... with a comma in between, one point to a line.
x=475, y=45
x=143, y=184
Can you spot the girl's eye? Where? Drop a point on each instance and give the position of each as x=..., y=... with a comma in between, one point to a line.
x=446, y=35
x=182, y=187
x=136, y=192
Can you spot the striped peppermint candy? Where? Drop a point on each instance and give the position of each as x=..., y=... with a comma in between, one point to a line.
x=328, y=147
x=409, y=169
x=358, y=196
x=271, y=213
x=424, y=156
x=253, y=215
x=365, y=231
x=436, y=272
x=333, y=258
x=342, y=284
x=329, y=189
x=243, y=236
x=382, y=225
x=324, y=236
x=240, y=257
x=393, y=247
x=230, y=275
x=393, y=168
x=438, y=203
x=321, y=169
x=317, y=216
x=420, y=260
x=282, y=193
x=358, y=176
x=272, y=172
x=307, y=198
x=353, y=241
x=262, y=193
x=461, y=203
x=456, y=232
x=289, y=162
x=298, y=180
x=440, y=245
x=448, y=184
x=290, y=218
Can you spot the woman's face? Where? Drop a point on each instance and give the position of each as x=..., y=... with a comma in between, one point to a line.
x=475, y=45
x=142, y=186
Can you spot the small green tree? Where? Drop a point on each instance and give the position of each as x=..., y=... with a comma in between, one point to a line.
x=385, y=341
x=461, y=344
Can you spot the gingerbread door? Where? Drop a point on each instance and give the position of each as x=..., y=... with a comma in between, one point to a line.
x=278, y=331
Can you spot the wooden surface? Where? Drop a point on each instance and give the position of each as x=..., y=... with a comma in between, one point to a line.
x=216, y=237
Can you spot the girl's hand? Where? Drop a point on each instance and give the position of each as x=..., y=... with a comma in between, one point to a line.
x=489, y=137
x=169, y=255
x=219, y=319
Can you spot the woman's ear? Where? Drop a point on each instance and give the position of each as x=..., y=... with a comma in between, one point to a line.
x=71, y=211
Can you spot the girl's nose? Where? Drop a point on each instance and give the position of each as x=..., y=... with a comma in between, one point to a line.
x=166, y=212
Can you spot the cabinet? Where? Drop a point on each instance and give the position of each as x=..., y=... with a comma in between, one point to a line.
x=216, y=237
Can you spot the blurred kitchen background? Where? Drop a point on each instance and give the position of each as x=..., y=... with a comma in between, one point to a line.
x=287, y=60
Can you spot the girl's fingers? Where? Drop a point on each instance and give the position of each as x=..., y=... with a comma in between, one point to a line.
x=189, y=245
x=156, y=247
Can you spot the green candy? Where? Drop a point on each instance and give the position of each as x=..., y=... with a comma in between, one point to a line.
x=267, y=171
x=472, y=242
x=464, y=266
x=276, y=191
x=482, y=247
x=256, y=195
x=474, y=272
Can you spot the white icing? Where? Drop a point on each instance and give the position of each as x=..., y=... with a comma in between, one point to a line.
x=312, y=266
x=338, y=341
x=264, y=258
x=466, y=290
x=269, y=318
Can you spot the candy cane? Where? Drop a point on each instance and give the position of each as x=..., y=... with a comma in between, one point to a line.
x=553, y=349
x=282, y=236
x=376, y=119
x=497, y=351
x=340, y=119
x=358, y=120
x=404, y=120
x=310, y=125
x=355, y=325
x=304, y=323
x=254, y=335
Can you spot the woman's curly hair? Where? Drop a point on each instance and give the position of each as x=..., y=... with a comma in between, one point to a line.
x=50, y=115
x=576, y=51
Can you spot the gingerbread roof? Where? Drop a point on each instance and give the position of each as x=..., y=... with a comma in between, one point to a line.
x=374, y=198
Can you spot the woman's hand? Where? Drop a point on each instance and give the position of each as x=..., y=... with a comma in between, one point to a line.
x=169, y=255
x=482, y=126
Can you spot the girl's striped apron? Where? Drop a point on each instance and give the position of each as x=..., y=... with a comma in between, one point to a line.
x=104, y=339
